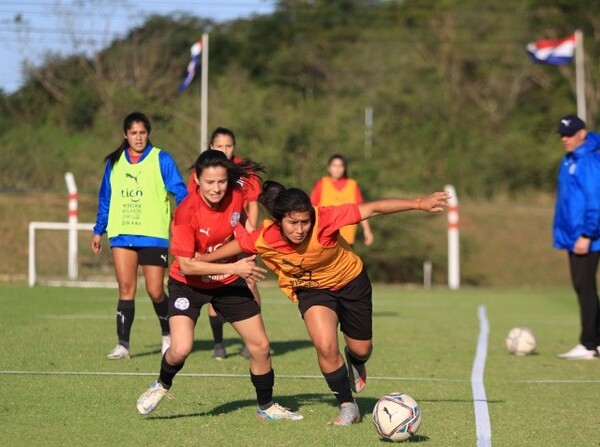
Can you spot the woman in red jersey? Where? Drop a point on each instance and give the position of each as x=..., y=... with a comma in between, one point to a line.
x=336, y=188
x=204, y=221
x=223, y=139
x=318, y=270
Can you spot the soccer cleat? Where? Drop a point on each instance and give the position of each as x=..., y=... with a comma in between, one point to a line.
x=219, y=351
x=356, y=373
x=276, y=411
x=245, y=354
x=580, y=352
x=150, y=399
x=349, y=414
x=166, y=344
x=118, y=353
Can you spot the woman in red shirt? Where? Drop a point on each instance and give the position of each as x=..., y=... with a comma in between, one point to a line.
x=204, y=221
x=223, y=139
x=317, y=269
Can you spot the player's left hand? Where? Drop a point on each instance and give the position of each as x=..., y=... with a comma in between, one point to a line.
x=435, y=203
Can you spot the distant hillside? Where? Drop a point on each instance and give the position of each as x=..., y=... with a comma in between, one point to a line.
x=455, y=98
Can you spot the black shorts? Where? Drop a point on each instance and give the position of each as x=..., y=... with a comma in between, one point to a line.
x=234, y=302
x=352, y=304
x=151, y=255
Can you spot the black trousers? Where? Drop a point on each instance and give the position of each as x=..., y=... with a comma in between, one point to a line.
x=583, y=276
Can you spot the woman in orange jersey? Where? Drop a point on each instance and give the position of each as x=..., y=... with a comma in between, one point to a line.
x=337, y=189
x=205, y=220
x=318, y=270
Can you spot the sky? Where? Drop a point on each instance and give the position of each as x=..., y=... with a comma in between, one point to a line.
x=31, y=28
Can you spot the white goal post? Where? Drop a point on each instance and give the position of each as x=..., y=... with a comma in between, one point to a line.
x=60, y=254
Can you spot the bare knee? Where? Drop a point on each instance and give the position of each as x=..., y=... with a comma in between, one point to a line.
x=260, y=350
x=126, y=288
x=177, y=354
x=156, y=295
x=327, y=353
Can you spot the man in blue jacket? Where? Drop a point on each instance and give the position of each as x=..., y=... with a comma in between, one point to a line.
x=577, y=226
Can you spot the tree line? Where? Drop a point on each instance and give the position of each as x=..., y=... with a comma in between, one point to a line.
x=454, y=97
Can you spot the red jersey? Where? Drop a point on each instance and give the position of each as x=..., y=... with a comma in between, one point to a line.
x=199, y=228
x=331, y=219
x=250, y=185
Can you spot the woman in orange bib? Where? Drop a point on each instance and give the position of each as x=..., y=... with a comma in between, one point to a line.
x=318, y=270
x=337, y=188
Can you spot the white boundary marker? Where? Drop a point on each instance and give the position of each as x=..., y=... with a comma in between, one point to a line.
x=482, y=415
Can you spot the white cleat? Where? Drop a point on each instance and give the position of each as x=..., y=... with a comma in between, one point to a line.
x=118, y=353
x=580, y=352
x=150, y=399
x=276, y=411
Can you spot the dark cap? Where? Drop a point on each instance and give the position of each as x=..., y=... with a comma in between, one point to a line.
x=569, y=125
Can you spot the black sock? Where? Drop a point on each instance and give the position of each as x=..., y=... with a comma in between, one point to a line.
x=125, y=316
x=264, y=388
x=168, y=372
x=162, y=312
x=339, y=384
x=216, y=324
x=355, y=359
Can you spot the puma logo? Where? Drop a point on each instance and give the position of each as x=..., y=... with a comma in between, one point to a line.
x=134, y=177
x=204, y=231
x=390, y=415
x=163, y=257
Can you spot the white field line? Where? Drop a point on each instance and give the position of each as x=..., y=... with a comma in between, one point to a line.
x=482, y=416
x=241, y=376
x=284, y=376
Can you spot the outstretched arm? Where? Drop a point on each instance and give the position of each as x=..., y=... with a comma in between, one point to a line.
x=434, y=203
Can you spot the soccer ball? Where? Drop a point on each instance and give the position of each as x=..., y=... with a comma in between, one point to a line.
x=520, y=341
x=396, y=416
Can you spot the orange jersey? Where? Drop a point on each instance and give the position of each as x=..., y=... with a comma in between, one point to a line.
x=328, y=191
x=323, y=261
x=199, y=228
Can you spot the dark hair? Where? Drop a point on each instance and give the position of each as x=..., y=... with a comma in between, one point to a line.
x=222, y=131
x=343, y=160
x=280, y=201
x=134, y=117
x=211, y=158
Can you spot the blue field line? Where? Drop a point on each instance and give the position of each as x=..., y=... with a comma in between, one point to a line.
x=482, y=415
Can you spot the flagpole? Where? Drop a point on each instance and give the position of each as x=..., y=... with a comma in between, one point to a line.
x=580, y=76
x=204, y=94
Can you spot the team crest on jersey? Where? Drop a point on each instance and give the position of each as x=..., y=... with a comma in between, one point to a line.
x=182, y=303
x=234, y=219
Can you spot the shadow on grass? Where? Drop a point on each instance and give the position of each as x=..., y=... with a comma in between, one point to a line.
x=293, y=402
x=234, y=346
x=413, y=438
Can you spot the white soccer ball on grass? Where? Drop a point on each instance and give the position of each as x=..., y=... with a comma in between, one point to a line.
x=396, y=416
x=520, y=341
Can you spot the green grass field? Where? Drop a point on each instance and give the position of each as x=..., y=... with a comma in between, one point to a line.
x=57, y=388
